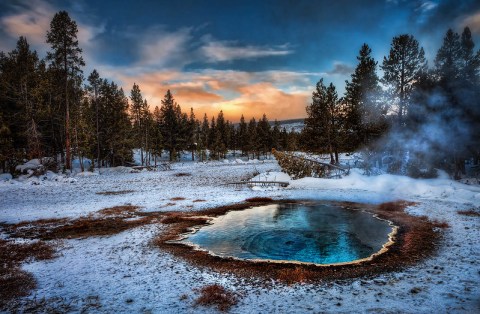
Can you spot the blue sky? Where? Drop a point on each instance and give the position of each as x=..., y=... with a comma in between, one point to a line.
x=250, y=57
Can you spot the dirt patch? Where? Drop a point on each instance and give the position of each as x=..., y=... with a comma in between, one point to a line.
x=199, y=200
x=178, y=199
x=182, y=174
x=469, y=212
x=115, y=192
x=416, y=239
x=216, y=296
x=14, y=281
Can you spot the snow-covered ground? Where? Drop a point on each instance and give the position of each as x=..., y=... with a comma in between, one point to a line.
x=125, y=273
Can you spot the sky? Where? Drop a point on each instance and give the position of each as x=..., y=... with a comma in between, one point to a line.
x=242, y=57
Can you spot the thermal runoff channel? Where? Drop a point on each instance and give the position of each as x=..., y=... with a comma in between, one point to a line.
x=307, y=233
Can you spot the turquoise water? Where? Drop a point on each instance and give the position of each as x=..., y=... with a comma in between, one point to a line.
x=310, y=233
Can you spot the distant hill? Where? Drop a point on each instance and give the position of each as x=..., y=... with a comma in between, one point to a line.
x=293, y=124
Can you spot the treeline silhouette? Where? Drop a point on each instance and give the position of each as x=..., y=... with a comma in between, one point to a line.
x=416, y=117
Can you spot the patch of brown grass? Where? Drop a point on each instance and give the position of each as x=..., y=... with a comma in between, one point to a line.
x=178, y=199
x=172, y=218
x=41, y=222
x=178, y=217
x=396, y=206
x=108, y=221
x=440, y=224
x=293, y=275
x=125, y=210
x=86, y=227
x=14, y=281
x=259, y=200
x=469, y=212
x=199, y=200
x=115, y=192
x=217, y=296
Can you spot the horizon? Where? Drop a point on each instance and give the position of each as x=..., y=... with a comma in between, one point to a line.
x=249, y=58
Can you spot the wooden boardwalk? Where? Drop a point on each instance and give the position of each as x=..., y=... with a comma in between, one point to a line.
x=259, y=183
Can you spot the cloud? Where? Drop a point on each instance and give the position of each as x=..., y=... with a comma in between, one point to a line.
x=234, y=92
x=260, y=98
x=427, y=6
x=449, y=13
x=473, y=22
x=340, y=68
x=221, y=51
x=31, y=19
x=164, y=49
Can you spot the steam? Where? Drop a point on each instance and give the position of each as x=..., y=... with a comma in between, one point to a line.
x=435, y=132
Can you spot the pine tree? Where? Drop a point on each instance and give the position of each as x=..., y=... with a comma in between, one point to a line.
x=252, y=137
x=232, y=137
x=19, y=78
x=470, y=91
x=95, y=81
x=147, y=122
x=137, y=111
x=212, y=133
x=276, y=136
x=157, y=139
x=457, y=68
x=448, y=61
x=171, y=125
x=242, y=136
x=66, y=57
x=115, y=125
x=192, y=128
x=6, y=146
x=284, y=139
x=402, y=68
x=221, y=136
x=264, y=135
x=470, y=60
x=364, y=116
x=203, y=136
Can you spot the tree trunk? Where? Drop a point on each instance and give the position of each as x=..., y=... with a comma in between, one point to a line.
x=68, y=161
x=98, y=129
x=80, y=156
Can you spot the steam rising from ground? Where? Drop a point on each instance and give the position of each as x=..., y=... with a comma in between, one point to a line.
x=436, y=132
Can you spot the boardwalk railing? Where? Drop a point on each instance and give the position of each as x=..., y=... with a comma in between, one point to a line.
x=259, y=183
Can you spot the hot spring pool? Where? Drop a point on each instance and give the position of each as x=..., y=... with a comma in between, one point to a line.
x=320, y=233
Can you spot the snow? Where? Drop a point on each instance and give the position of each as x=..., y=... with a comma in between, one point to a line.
x=272, y=176
x=125, y=273
x=29, y=165
x=5, y=177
